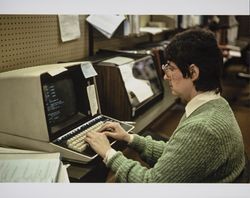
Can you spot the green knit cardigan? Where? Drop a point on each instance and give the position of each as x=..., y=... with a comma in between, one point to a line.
x=205, y=147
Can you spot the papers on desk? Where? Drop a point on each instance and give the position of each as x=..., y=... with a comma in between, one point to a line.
x=119, y=60
x=18, y=165
x=140, y=88
x=233, y=53
x=106, y=24
x=152, y=30
x=29, y=167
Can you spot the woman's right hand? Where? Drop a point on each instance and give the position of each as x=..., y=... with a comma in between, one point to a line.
x=114, y=130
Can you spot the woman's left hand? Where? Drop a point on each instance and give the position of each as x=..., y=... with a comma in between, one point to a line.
x=98, y=142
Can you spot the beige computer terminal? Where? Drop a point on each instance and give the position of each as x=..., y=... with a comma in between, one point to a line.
x=50, y=108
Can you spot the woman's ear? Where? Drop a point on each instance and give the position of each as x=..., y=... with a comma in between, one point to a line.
x=194, y=72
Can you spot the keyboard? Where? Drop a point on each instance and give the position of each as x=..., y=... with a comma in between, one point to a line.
x=75, y=139
x=77, y=142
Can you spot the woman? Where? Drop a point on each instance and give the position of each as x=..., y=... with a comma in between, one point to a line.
x=207, y=144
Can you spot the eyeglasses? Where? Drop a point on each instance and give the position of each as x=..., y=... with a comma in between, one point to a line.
x=168, y=67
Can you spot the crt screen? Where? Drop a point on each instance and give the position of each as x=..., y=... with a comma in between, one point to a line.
x=145, y=70
x=60, y=101
x=141, y=80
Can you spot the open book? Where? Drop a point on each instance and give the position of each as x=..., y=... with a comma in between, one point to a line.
x=21, y=166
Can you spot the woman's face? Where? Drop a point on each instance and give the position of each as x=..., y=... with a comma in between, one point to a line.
x=180, y=86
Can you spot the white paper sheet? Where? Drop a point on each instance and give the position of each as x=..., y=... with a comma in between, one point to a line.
x=62, y=175
x=119, y=60
x=233, y=53
x=92, y=99
x=57, y=71
x=106, y=24
x=141, y=88
x=29, y=167
x=69, y=27
x=88, y=70
x=152, y=30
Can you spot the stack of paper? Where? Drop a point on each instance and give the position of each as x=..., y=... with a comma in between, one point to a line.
x=106, y=24
x=29, y=166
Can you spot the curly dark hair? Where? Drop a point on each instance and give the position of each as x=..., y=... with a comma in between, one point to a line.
x=198, y=46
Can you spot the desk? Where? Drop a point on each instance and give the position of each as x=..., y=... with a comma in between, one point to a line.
x=96, y=170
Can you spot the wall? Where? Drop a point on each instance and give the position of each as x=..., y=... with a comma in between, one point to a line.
x=29, y=40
